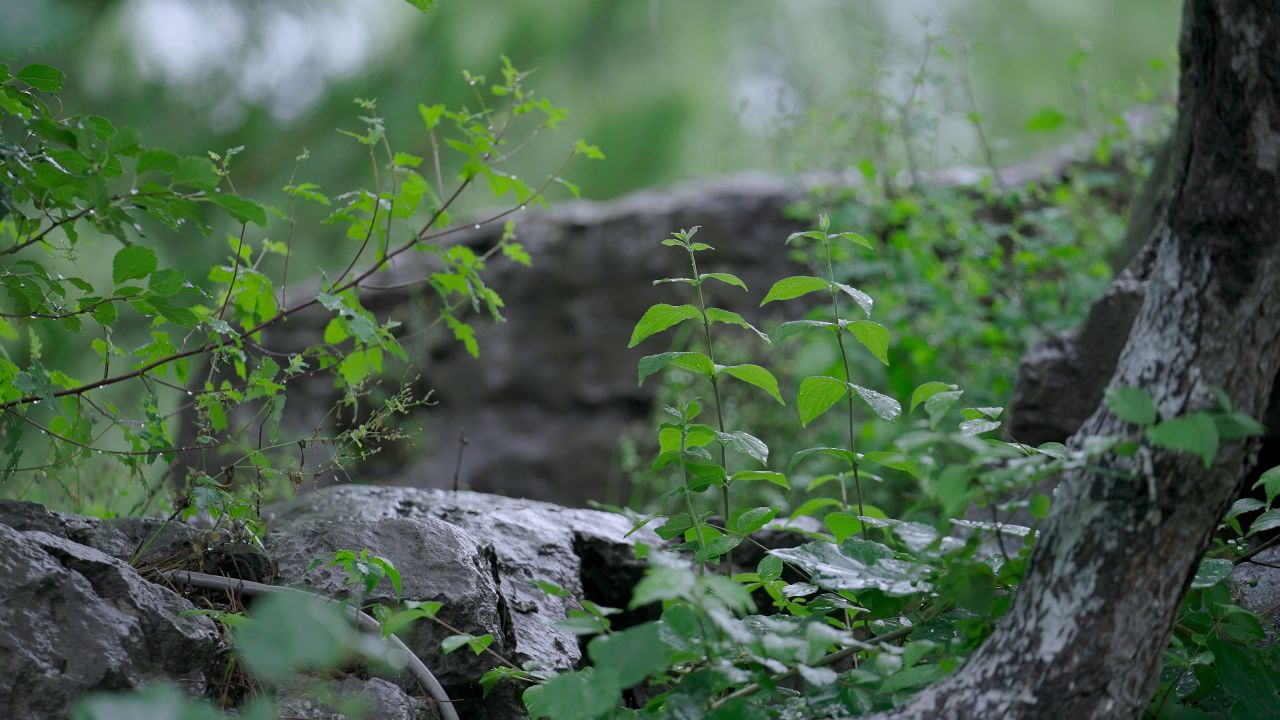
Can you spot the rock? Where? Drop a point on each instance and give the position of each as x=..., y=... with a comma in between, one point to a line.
x=437, y=562
x=1257, y=587
x=118, y=537
x=349, y=699
x=583, y=551
x=74, y=620
x=1061, y=380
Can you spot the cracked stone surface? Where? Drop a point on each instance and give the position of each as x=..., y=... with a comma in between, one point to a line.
x=74, y=620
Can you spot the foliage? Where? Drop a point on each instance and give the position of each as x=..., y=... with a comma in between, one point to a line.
x=163, y=342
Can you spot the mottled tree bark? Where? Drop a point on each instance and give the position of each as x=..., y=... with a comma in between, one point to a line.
x=1085, y=635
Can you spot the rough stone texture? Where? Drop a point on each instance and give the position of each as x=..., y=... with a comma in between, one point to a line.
x=75, y=620
x=375, y=699
x=437, y=561
x=1257, y=587
x=117, y=537
x=583, y=551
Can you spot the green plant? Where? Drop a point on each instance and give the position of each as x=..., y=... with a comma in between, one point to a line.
x=684, y=444
x=168, y=340
x=818, y=393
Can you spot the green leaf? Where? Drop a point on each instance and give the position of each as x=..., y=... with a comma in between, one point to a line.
x=1211, y=572
x=1046, y=120
x=977, y=427
x=863, y=300
x=105, y=314
x=246, y=211
x=873, y=336
x=662, y=583
x=776, y=478
x=659, y=318
x=717, y=315
x=795, y=327
x=842, y=525
x=692, y=361
x=857, y=565
x=1268, y=520
x=1196, y=434
x=755, y=375
x=425, y=6
x=718, y=546
x=582, y=695
x=132, y=263
x=854, y=238
x=745, y=444
x=839, y=453
x=728, y=278
x=752, y=520
x=1271, y=481
x=817, y=394
x=811, y=234
x=883, y=405
x=926, y=391
x=794, y=287
x=42, y=77
x=631, y=655
x=1132, y=405
x=166, y=283
x=582, y=147
x=431, y=114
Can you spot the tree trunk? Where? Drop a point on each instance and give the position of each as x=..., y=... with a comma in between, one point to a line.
x=1085, y=635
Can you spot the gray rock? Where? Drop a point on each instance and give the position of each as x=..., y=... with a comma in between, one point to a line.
x=351, y=699
x=1257, y=587
x=118, y=537
x=437, y=562
x=583, y=551
x=75, y=620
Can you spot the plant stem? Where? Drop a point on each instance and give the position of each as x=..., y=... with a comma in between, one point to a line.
x=715, y=391
x=844, y=358
x=688, y=499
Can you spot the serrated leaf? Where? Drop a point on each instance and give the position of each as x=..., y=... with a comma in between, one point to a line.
x=1269, y=520
x=977, y=427
x=883, y=405
x=755, y=375
x=1196, y=434
x=939, y=403
x=246, y=211
x=795, y=327
x=816, y=396
x=166, y=283
x=132, y=263
x=810, y=234
x=863, y=300
x=926, y=391
x=840, y=453
x=718, y=315
x=854, y=238
x=724, y=277
x=716, y=547
x=794, y=287
x=1211, y=572
x=873, y=336
x=1132, y=405
x=692, y=361
x=42, y=77
x=857, y=565
x=745, y=444
x=659, y=318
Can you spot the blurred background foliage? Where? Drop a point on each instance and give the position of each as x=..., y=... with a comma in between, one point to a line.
x=669, y=89
x=673, y=90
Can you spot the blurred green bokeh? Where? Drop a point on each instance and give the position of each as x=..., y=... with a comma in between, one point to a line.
x=669, y=89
